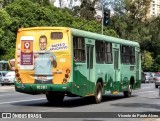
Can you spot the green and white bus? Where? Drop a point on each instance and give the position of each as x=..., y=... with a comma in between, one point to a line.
x=87, y=64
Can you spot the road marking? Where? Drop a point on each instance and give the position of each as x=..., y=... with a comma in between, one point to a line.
x=8, y=94
x=21, y=101
x=147, y=91
x=51, y=109
x=7, y=87
x=145, y=87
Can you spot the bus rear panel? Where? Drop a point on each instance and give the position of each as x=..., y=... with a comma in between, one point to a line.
x=37, y=50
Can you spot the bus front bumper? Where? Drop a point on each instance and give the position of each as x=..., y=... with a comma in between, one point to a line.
x=41, y=88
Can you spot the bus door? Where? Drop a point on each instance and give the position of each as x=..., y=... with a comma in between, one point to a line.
x=83, y=66
x=116, y=68
x=90, y=67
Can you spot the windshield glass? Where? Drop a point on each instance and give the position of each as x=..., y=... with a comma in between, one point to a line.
x=10, y=74
x=4, y=66
x=157, y=75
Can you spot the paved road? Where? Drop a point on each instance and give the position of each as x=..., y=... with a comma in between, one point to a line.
x=146, y=99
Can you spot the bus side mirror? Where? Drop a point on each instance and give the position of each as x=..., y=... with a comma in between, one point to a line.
x=11, y=64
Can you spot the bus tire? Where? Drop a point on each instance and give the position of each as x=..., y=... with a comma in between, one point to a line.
x=156, y=86
x=2, y=84
x=129, y=92
x=55, y=98
x=98, y=93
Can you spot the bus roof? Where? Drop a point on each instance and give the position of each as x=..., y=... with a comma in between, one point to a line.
x=87, y=34
x=104, y=37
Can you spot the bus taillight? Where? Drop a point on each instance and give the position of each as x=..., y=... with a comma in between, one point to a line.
x=16, y=70
x=19, y=80
x=64, y=81
x=17, y=74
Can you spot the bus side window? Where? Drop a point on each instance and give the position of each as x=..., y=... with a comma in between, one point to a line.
x=79, y=49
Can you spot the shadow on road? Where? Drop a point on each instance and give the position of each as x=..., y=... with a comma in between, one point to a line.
x=135, y=105
x=70, y=101
x=92, y=120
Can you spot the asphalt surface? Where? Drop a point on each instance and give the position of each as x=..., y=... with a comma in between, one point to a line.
x=146, y=99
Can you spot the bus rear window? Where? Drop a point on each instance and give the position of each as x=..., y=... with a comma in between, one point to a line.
x=56, y=35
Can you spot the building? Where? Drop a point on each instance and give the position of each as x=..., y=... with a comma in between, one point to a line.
x=154, y=10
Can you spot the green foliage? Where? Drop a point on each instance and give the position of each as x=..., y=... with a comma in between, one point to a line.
x=9, y=54
x=130, y=22
x=5, y=2
x=110, y=32
x=32, y=13
x=136, y=9
x=155, y=38
x=147, y=61
x=127, y=22
x=4, y=18
x=41, y=2
x=86, y=9
x=4, y=25
x=119, y=24
x=156, y=65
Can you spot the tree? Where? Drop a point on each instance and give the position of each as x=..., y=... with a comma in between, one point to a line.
x=3, y=3
x=156, y=65
x=137, y=9
x=128, y=20
x=5, y=35
x=155, y=38
x=27, y=13
x=147, y=61
x=87, y=10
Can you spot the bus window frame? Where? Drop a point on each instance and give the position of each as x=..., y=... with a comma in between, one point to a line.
x=127, y=53
x=79, y=47
x=99, y=53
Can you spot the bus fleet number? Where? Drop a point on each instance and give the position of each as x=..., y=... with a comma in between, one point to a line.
x=42, y=87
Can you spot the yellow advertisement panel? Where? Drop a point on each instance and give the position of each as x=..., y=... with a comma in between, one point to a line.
x=43, y=56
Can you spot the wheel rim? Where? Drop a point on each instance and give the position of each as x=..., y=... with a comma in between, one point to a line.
x=130, y=89
x=99, y=94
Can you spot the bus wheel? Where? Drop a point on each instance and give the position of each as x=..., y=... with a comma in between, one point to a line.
x=55, y=98
x=2, y=84
x=98, y=93
x=129, y=92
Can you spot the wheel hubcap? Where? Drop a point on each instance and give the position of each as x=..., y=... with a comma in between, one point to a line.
x=130, y=89
x=99, y=94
